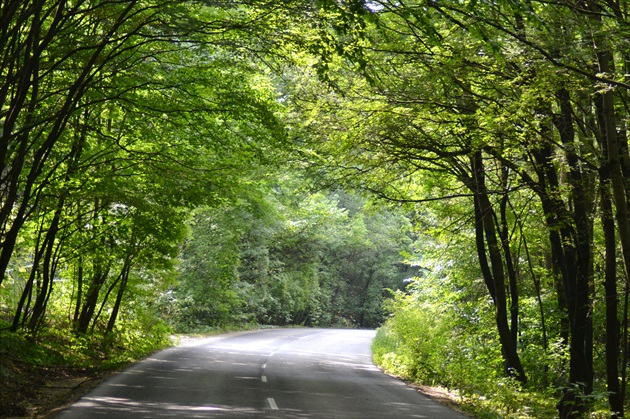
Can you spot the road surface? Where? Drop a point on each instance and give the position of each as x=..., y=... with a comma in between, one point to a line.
x=273, y=373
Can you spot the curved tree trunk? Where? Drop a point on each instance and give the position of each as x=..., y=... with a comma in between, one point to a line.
x=495, y=273
x=124, y=278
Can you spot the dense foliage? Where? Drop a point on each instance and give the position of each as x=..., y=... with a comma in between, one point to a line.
x=290, y=258
x=188, y=165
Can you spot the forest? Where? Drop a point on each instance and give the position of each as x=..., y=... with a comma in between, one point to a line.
x=454, y=173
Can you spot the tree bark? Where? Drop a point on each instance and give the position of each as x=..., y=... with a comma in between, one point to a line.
x=615, y=396
x=580, y=281
x=119, y=296
x=486, y=220
x=504, y=234
x=612, y=175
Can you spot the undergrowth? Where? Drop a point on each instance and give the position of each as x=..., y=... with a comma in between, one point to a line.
x=427, y=346
x=29, y=361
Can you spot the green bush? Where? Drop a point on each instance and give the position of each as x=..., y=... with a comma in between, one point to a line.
x=412, y=345
x=433, y=344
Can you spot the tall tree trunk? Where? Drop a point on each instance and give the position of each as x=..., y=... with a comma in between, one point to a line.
x=504, y=234
x=119, y=296
x=100, y=272
x=580, y=283
x=615, y=396
x=111, y=288
x=21, y=313
x=486, y=219
x=91, y=299
x=79, y=297
x=612, y=175
x=47, y=271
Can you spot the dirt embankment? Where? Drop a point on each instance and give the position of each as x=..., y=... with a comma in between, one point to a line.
x=28, y=391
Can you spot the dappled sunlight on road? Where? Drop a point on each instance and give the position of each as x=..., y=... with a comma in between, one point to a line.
x=123, y=408
x=115, y=405
x=353, y=365
x=274, y=374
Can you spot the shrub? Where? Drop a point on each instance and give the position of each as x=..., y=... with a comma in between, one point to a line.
x=434, y=344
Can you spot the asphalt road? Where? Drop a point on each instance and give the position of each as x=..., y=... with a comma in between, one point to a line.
x=274, y=373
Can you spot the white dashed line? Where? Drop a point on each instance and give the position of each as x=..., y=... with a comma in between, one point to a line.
x=306, y=337
x=263, y=378
x=272, y=403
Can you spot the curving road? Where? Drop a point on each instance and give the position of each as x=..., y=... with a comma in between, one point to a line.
x=274, y=373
